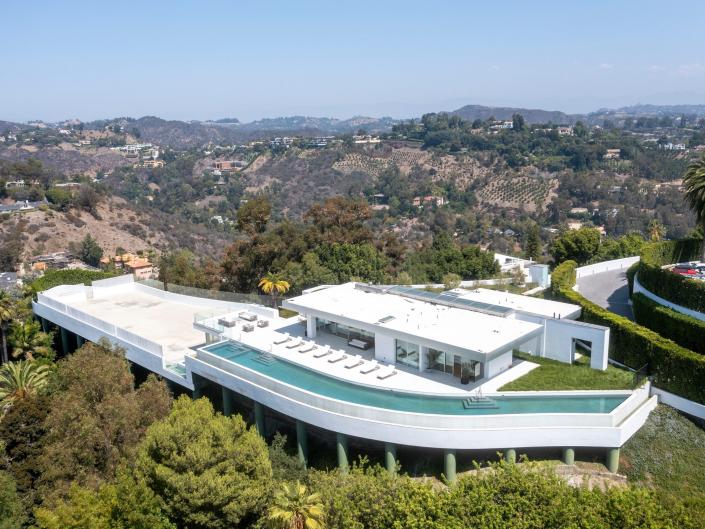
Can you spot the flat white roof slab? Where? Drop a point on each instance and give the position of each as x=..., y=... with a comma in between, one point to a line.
x=460, y=328
x=536, y=306
x=162, y=321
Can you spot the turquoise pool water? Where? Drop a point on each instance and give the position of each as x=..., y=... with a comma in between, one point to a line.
x=315, y=382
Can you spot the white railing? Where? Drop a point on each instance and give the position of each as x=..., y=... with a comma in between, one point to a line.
x=91, y=320
x=139, y=341
x=49, y=302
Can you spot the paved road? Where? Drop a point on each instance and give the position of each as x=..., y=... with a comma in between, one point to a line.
x=609, y=290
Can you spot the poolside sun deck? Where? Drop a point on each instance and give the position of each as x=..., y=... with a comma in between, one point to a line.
x=405, y=380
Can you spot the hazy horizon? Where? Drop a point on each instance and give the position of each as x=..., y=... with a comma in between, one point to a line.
x=222, y=59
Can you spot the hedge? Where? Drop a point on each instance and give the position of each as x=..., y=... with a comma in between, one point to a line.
x=55, y=278
x=681, y=328
x=673, y=367
x=675, y=288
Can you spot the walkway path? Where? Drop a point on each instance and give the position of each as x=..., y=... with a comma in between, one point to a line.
x=609, y=290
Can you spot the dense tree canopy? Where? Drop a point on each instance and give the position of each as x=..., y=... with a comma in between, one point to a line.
x=210, y=471
x=95, y=401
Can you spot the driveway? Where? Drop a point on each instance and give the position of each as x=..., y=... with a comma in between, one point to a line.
x=609, y=290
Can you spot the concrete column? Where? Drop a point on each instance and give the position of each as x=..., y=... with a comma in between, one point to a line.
x=449, y=465
x=341, y=445
x=65, y=341
x=568, y=456
x=79, y=341
x=259, y=419
x=228, y=401
x=613, y=459
x=197, y=392
x=390, y=457
x=310, y=326
x=45, y=324
x=301, y=442
x=423, y=353
x=510, y=455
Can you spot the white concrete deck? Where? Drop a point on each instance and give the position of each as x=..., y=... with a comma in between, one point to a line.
x=162, y=321
x=405, y=380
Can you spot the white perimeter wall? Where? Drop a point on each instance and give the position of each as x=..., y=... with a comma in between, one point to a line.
x=678, y=308
x=605, y=266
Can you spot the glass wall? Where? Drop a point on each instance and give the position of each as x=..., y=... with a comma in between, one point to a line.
x=345, y=331
x=407, y=353
x=440, y=361
x=453, y=364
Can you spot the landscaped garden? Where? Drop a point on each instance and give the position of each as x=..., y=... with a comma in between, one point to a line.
x=552, y=375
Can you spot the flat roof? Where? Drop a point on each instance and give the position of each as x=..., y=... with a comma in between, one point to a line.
x=530, y=305
x=160, y=320
x=397, y=314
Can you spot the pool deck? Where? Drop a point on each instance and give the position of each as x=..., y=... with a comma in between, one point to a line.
x=405, y=380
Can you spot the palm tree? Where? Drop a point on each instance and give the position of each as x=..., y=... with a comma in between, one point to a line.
x=28, y=340
x=273, y=285
x=7, y=313
x=294, y=508
x=694, y=185
x=22, y=378
x=656, y=230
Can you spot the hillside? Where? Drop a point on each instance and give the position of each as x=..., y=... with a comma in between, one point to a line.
x=473, y=112
x=66, y=158
x=119, y=226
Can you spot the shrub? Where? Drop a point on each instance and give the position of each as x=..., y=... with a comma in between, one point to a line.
x=673, y=367
x=67, y=277
x=681, y=328
x=665, y=284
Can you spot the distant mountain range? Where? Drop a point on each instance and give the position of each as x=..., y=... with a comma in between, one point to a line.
x=184, y=134
x=473, y=112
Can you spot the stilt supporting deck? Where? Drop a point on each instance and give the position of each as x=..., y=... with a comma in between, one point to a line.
x=228, y=401
x=341, y=445
x=449, y=465
x=302, y=442
x=510, y=455
x=613, y=459
x=568, y=456
x=390, y=457
x=259, y=419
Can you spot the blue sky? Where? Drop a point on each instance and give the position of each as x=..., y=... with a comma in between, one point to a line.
x=210, y=59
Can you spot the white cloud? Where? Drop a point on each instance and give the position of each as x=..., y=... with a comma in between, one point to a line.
x=494, y=67
x=606, y=66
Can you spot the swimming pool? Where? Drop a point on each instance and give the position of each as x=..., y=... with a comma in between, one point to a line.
x=334, y=388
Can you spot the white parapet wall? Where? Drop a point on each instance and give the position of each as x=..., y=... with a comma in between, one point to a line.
x=606, y=266
x=639, y=288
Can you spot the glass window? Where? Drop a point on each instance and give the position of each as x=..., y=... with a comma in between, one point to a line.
x=407, y=353
x=344, y=331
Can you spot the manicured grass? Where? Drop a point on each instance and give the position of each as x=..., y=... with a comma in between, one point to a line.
x=668, y=454
x=552, y=375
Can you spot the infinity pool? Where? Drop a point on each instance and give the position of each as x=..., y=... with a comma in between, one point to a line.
x=334, y=388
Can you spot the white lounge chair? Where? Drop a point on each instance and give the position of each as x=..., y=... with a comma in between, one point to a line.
x=282, y=339
x=323, y=352
x=373, y=366
x=354, y=362
x=388, y=373
x=310, y=346
x=338, y=357
x=296, y=343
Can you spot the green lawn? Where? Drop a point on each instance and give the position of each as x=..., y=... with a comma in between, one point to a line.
x=668, y=454
x=552, y=375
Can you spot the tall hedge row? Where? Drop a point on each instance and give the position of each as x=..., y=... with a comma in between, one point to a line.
x=673, y=367
x=676, y=288
x=681, y=328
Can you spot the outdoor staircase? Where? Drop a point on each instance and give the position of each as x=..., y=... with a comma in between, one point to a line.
x=265, y=358
x=479, y=401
